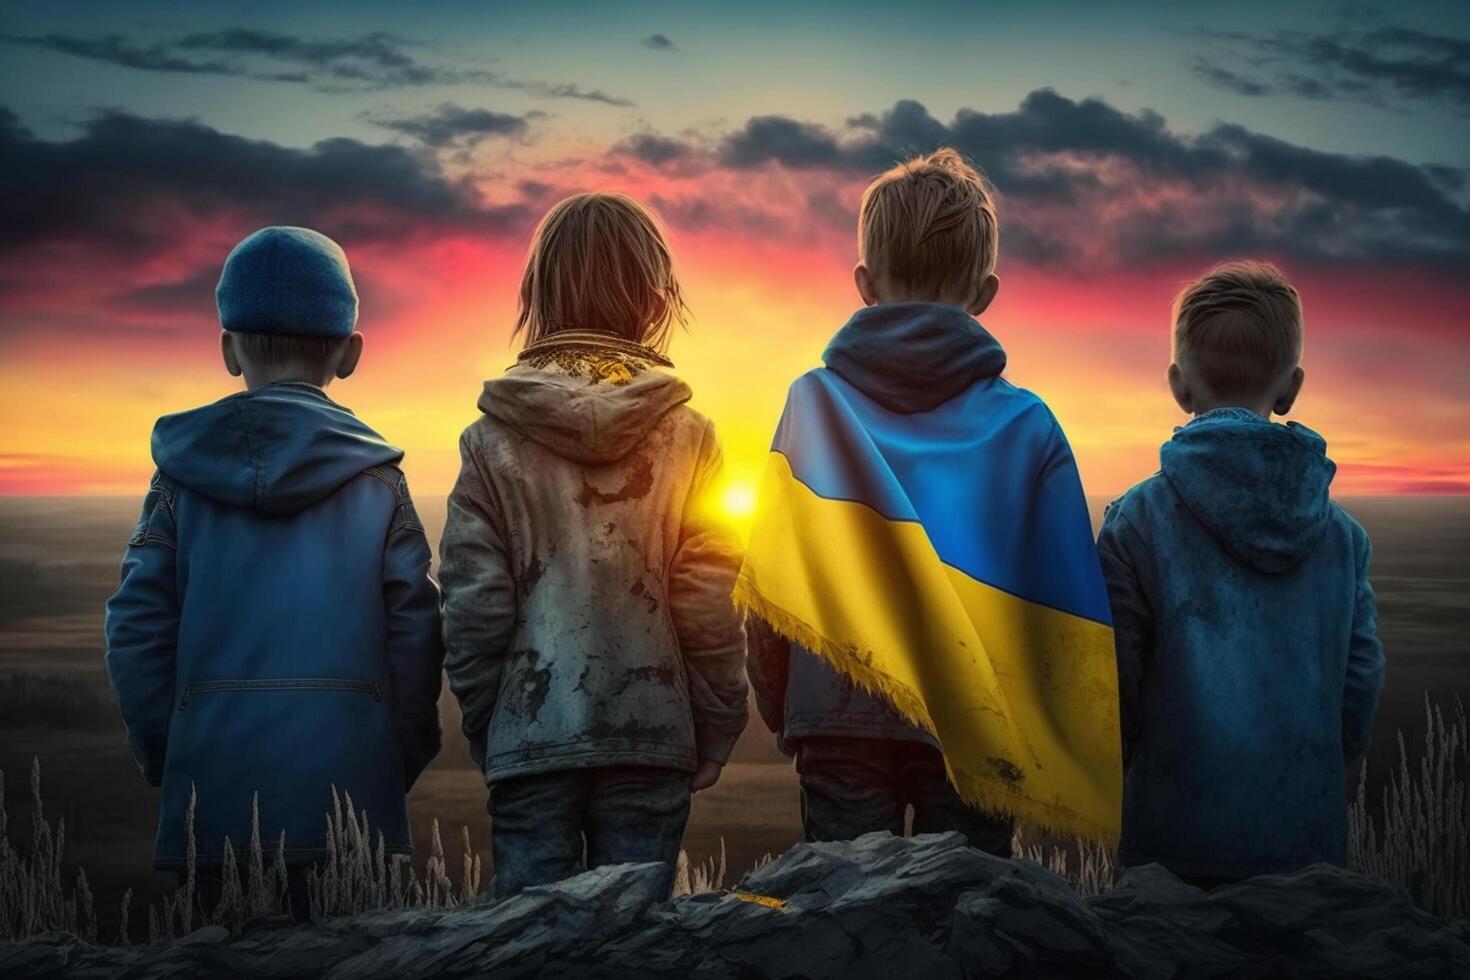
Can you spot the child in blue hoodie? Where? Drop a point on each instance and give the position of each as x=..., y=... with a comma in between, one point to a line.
x=276, y=631
x=1249, y=665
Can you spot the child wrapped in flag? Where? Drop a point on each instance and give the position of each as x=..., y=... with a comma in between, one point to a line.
x=922, y=529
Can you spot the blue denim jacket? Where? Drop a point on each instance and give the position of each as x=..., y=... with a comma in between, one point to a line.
x=276, y=630
x=1249, y=664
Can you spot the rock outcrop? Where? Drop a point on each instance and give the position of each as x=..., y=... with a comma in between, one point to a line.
x=881, y=906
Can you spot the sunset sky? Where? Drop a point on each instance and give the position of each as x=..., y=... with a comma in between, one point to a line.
x=1132, y=145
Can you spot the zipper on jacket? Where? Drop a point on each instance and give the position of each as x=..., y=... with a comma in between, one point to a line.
x=282, y=684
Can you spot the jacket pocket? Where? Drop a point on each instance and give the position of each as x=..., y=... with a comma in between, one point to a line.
x=281, y=684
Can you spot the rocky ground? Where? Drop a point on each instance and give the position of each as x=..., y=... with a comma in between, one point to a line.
x=879, y=907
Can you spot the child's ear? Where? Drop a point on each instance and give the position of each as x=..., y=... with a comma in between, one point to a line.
x=985, y=296
x=1180, y=388
x=658, y=306
x=227, y=352
x=864, y=281
x=351, y=354
x=1289, y=391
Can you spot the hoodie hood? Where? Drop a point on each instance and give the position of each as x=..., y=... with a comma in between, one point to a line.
x=579, y=417
x=277, y=450
x=913, y=357
x=1260, y=488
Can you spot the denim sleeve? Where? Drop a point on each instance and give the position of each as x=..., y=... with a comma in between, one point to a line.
x=768, y=666
x=1365, y=663
x=142, y=628
x=711, y=635
x=479, y=600
x=415, y=647
x=1132, y=622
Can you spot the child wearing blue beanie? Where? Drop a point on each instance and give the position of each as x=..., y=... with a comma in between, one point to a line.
x=276, y=632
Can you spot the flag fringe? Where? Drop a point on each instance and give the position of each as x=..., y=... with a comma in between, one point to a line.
x=990, y=793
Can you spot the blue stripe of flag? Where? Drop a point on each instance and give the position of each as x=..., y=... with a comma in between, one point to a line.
x=988, y=474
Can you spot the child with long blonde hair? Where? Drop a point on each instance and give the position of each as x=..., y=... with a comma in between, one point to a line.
x=591, y=640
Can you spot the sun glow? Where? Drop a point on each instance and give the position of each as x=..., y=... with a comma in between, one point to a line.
x=738, y=501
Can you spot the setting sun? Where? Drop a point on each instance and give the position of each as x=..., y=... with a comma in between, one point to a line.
x=738, y=501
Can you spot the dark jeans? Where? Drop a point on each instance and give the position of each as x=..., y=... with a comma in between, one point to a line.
x=854, y=786
x=552, y=825
x=209, y=887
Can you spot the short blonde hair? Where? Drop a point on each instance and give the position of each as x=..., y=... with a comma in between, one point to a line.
x=600, y=262
x=928, y=226
x=1239, y=328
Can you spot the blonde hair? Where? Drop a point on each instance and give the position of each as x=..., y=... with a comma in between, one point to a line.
x=928, y=226
x=600, y=262
x=1239, y=328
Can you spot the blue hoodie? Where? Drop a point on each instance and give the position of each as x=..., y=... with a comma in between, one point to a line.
x=910, y=358
x=276, y=630
x=1248, y=657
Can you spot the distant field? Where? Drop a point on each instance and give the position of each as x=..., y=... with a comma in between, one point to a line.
x=59, y=561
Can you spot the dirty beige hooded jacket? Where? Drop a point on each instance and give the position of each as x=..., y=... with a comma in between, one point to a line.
x=587, y=573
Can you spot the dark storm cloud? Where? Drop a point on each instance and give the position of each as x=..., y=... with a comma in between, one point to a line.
x=450, y=125
x=1225, y=78
x=654, y=149
x=1082, y=185
x=118, y=50
x=565, y=91
x=375, y=60
x=1045, y=123
x=125, y=183
x=1361, y=66
x=1080, y=179
x=780, y=139
x=188, y=295
x=372, y=61
x=659, y=42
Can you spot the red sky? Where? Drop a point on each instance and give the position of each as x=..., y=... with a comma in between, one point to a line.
x=113, y=225
x=75, y=415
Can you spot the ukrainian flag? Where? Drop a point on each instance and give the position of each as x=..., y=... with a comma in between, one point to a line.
x=945, y=560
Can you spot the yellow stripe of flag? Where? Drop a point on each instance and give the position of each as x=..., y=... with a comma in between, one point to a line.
x=1021, y=697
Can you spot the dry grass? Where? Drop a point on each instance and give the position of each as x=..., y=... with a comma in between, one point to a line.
x=260, y=893
x=1422, y=843
x=33, y=900
x=696, y=879
x=1096, y=871
x=358, y=875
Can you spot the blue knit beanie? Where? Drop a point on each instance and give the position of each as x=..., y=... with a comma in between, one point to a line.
x=288, y=281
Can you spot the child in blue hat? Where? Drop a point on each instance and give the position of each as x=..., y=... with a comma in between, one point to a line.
x=276, y=632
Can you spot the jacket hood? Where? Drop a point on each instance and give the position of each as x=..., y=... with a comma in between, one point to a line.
x=585, y=419
x=1260, y=488
x=277, y=450
x=913, y=357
